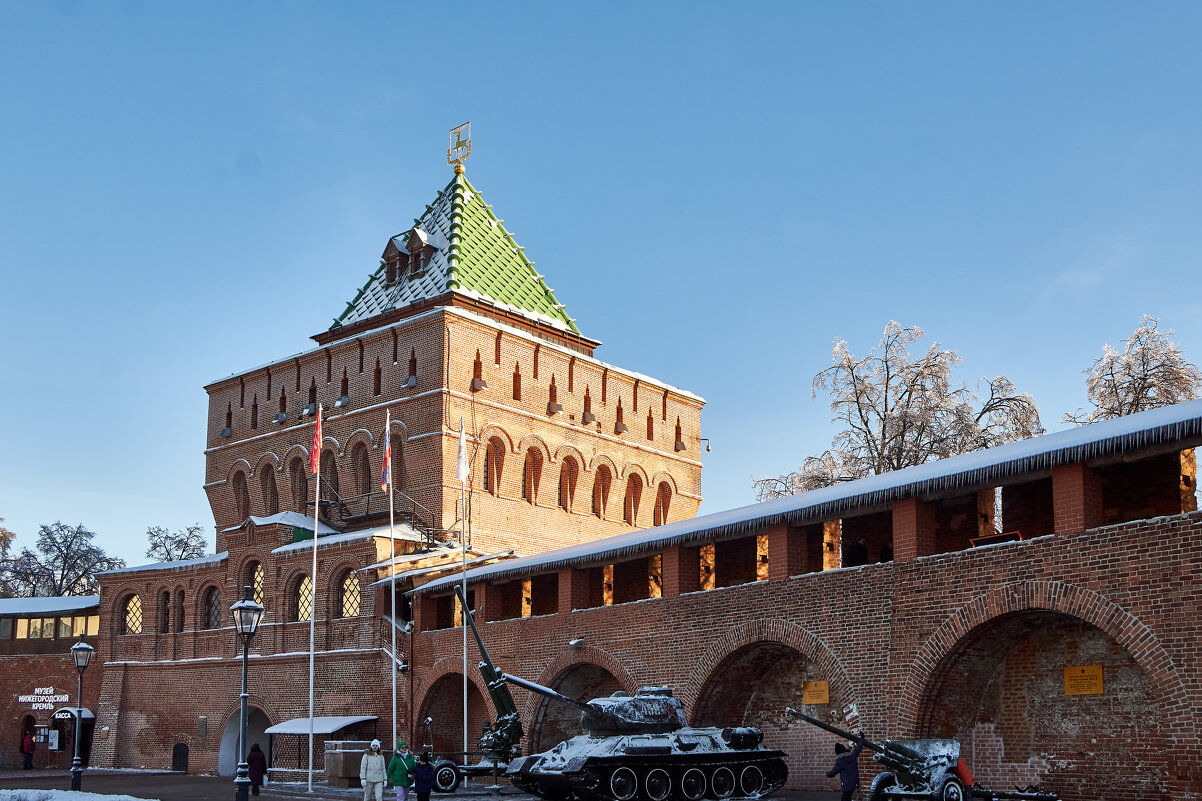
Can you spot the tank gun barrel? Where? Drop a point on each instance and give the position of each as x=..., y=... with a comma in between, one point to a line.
x=547, y=691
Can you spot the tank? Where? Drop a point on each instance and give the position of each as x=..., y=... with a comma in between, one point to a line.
x=642, y=747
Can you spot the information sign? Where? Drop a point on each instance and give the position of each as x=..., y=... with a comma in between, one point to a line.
x=1083, y=680
x=815, y=692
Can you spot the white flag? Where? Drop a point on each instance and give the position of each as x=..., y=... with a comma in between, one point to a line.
x=461, y=467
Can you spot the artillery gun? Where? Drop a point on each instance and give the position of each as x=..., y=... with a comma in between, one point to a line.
x=929, y=769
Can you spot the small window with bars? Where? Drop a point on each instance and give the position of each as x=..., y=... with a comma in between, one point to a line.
x=212, y=610
x=304, y=599
x=350, y=595
x=132, y=621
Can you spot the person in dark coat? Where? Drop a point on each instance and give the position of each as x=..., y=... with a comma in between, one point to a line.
x=256, y=764
x=423, y=777
x=856, y=553
x=847, y=768
x=27, y=750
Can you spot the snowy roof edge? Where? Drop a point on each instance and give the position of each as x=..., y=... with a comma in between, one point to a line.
x=178, y=565
x=1135, y=432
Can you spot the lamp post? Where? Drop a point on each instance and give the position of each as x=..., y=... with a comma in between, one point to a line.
x=81, y=652
x=247, y=615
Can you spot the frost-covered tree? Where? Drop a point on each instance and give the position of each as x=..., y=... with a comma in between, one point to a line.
x=66, y=563
x=1149, y=372
x=175, y=546
x=900, y=410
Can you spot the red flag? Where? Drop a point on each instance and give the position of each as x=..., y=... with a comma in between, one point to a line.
x=385, y=474
x=315, y=451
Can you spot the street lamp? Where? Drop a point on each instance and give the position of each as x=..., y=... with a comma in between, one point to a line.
x=81, y=652
x=247, y=615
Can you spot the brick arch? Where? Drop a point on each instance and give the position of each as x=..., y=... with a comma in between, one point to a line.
x=662, y=476
x=239, y=464
x=775, y=630
x=571, y=658
x=634, y=467
x=396, y=421
x=571, y=450
x=535, y=441
x=295, y=450
x=603, y=459
x=493, y=430
x=443, y=667
x=198, y=603
x=333, y=582
x=118, y=617
x=266, y=458
x=253, y=554
x=1050, y=596
x=326, y=444
x=361, y=435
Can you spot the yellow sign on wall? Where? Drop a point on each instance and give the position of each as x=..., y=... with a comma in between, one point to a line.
x=1083, y=680
x=815, y=692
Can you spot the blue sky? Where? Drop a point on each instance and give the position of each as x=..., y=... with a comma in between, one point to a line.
x=716, y=191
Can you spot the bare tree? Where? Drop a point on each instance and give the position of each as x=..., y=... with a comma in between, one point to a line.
x=899, y=410
x=66, y=563
x=1151, y=371
x=175, y=546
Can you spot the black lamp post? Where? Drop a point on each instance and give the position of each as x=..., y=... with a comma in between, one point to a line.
x=247, y=615
x=81, y=652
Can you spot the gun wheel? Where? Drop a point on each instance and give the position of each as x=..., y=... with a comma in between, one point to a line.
x=692, y=785
x=879, y=789
x=623, y=784
x=946, y=787
x=722, y=782
x=446, y=777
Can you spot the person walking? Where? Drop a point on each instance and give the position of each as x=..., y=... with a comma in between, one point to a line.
x=256, y=766
x=372, y=773
x=847, y=768
x=27, y=751
x=400, y=770
x=423, y=777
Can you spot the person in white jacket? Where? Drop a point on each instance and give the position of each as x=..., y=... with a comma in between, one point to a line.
x=372, y=773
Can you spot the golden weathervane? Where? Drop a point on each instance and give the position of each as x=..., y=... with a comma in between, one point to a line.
x=461, y=144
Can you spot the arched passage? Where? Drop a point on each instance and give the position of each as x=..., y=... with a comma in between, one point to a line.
x=1001, y=692
x=256, y=732
x=554, y=722
x=443, y=704
x=753, y=685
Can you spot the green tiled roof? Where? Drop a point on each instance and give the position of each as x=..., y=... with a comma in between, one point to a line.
x=474, y=256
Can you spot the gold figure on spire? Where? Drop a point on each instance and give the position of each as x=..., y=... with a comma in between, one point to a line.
x=461, y=145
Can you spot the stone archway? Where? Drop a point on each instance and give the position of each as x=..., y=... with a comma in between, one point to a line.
x=442, y=704
x=552, y=722
x=256, y=732
x=1001, y=693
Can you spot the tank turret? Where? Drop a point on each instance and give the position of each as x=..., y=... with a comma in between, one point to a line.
x=651, y=710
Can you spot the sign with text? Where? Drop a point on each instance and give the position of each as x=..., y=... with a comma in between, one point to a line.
x=1083, y=680
x=815, y=692
x=43, y=698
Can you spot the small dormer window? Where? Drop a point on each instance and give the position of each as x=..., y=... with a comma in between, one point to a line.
x=420, y=252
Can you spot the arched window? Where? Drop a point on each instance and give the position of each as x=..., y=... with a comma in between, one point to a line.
x=532, y=473
x=663, y=498
x=271, y=497
x=211, y=613
x=254, y=579
x=601, y=486
x=329, y=474
x=298, y=473
x=179, y=611
x=494, y=460
x=398, y=461
x=131, y=618
x=165, y=612
x=568, y=473
x=348, y=595
x=361, y=469
x=241, y=496
x=302, y=599
x=634, y=490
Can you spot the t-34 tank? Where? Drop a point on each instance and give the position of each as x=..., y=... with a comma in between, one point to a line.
x=642, y=747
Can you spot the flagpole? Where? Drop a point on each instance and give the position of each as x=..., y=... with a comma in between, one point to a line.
x=392, y=560
x=461, y=474
x=317, y=442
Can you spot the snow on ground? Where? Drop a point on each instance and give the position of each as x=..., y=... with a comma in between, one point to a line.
x=61, y=795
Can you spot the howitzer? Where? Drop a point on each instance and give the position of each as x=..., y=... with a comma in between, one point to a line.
x=924, y=769
x=500, y=739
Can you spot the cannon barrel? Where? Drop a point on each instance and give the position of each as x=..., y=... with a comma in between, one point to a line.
x=835, y=730
x=547, y=691
x=889, y=753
